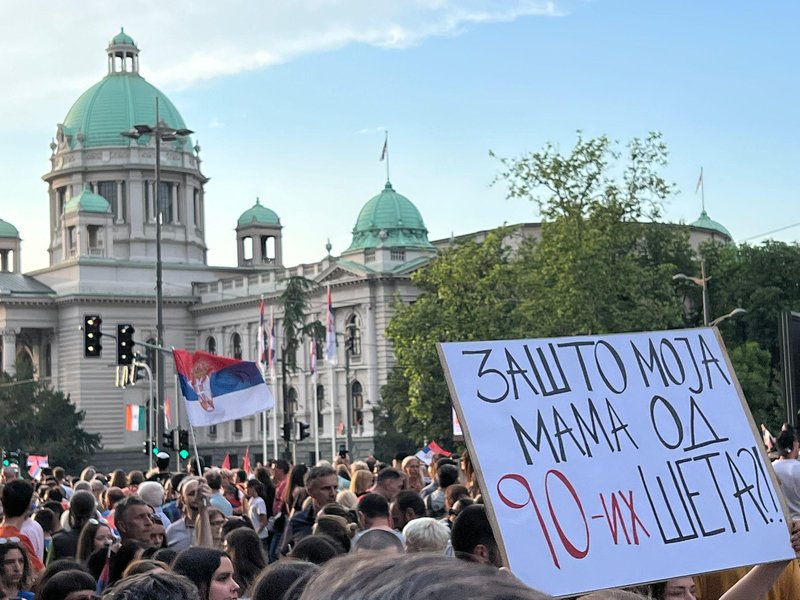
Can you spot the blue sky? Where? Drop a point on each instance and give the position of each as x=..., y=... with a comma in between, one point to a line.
x=289, y=101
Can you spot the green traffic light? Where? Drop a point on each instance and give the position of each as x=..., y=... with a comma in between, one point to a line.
x=184, y=454
x=6, y=462
x=156, y=450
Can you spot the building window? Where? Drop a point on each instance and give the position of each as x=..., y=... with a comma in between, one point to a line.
x=320, y=408
x=237, y=427
x=398, y=255
x=72, y=241
x=357, y=396
x=95, y=240
x=236, y=346
x=165, y=200
x=196, y=198
x=61, y=199
x=212, y=430
x=211, y=345
x=369, y=256
x=353, y=333
x=108, y=190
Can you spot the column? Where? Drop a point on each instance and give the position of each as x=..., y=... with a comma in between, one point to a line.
x=10, y=350
x=176, y=213
x=120, y=212
x=373, y=389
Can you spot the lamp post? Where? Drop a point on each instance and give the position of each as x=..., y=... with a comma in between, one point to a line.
x=736, y=312
x=164, y=133
x=702, y=282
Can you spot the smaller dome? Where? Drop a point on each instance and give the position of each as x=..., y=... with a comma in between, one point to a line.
x=87, y=201
x=7, y=230
x=258, y=214
x=122, y=38
x=706, y=222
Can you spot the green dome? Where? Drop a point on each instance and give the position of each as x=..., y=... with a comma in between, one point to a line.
x=7, y=230
x=389, y=220
x=706, y=222
x=122, y=99
x=87, y=201
x=122, y=38
x=258, y=215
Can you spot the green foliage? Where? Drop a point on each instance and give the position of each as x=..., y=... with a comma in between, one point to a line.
x=393, y=419
x=751, y=363
x=295, y=304
x=40, y=420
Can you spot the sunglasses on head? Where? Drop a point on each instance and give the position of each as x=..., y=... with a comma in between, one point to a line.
x=9, y=540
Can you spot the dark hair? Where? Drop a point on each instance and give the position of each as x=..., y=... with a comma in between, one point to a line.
x=162, y=462
x=472, y=528
x=281, y=464
x=54, y=494
x=193, y=467
x=114, y=496
x=275, y=581
x=317, y=549
x=406, y=499
x=413, y=576
x=82, y=507
x=122, y=507
x=334, y=527
x=247, y=556
x=56, y=507
x=453, y=493
x=62, y=564
x=118, y=479
x=144, y=565
x=785, y=441
x=16, y=498
x=199, y=564
x=46, y=519
x=59, y=473
x=86, y=540
x=235, y=522
x=241, y=475
x=120, y=561
x=337, y=510
x=62, y=584
x=447, y=475
x=400, y=456
x=378, y=539
x=373, y=506
x=26, y=561
x=135, y=477
x=154, y=586
x=296, y=480
x=165, y=555
x=176, y=479
x=315, y=473
x=214, y=480
x=387, y=474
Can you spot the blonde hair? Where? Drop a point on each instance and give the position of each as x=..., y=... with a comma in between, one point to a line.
x=347, y=499
x=361, y=482
x=426, y=535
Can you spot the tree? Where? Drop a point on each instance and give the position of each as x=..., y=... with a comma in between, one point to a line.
x=295, y=329
x=751, y=363
x=40, y=420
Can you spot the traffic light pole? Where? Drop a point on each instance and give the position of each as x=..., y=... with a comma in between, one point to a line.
x=143, y=364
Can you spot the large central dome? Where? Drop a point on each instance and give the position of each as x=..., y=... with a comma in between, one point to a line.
x=122, y=99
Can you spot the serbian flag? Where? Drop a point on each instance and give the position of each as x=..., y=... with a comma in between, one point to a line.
x=36, y=463
x=437, y=449
x=262, y=354
x=246, y=460
x=135, y=416
x=330, y=333
x=218, y=389
x=271, y=346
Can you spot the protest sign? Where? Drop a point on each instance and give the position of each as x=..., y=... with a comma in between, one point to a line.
x=613, y=460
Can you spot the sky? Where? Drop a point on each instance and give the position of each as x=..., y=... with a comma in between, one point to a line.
x=290, y=101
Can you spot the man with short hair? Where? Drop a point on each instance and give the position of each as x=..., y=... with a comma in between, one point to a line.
x=388, y=483
x=446, y=476
x=321, y=484
x=217, y=500
x=194, y=528
x=373, y=513
x=407, y=506
x=473, y=539
x=152, y=493
x=61, y=477
x=133, y=518
x=16, y=501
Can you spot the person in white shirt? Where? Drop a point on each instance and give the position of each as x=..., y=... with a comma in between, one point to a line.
x=787, y=468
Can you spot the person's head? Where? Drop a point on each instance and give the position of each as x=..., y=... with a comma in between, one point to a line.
x=214, y=480
x=378, y=540
x=128, y=552
x=60, y=474
x=453, y=493
x=210, y=570
x=473, y=539
x=158, y=534
x=389, y=482
x=426, y=535
x=68, y=585
x=112, y=496
x=145, y=565
x=347, y=499
x=16, y=569
x=322, y=484
x=46, y=519
x=93, y=536
x=317, y=549
x=373, y=511
x=97, y=488
x=255, y=489
x=154, y=586
x=392, y=577
x=56, y=566
x=135, y=478
x=407, y=506
x=787, y=443
x=191, y=467
x=244, y=548
x=162, y=461
x=16, y=498
x=187, y=495
x=280, y=469
x=216, y=518
x=458, y=506
x=152, y=493
x=361, y=481
x=410, y=465
x=165, y=555
x=446, y=476
x=82, y=507
x=134, y=519
x=275, y=581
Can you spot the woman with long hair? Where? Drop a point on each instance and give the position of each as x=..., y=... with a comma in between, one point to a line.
x=210, y=570
x=361, y=482
x=94, y=536
x=15, y=568
x=248, y=558
x=295, y=493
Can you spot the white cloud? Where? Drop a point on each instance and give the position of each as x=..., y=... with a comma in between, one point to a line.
x=368, y=130
x=53, y=51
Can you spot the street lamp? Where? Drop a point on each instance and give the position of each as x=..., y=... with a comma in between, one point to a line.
x=701, y=281
x=162, y=132
x=736, y=312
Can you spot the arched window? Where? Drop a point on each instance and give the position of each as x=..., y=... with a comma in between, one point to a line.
x=247, y=249
x=211, y=345
x=353, y=334
x=357, y=396
x=236, y=346
x=291, y=397
x=320, y=407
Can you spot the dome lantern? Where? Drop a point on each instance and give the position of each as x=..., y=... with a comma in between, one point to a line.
x=123, y=54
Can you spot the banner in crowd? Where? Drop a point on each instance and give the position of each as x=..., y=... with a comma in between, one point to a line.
x=135, y=417
x=218, y=389
x=613, y=460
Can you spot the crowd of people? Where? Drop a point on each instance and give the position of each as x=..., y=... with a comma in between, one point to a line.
x=342, y=530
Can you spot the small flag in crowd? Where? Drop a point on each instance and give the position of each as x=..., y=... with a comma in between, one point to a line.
x=226, y=462
x=135, y=417
x=218, y=389
x=246, y=460
x=35, y=464
x=102, y=581
x=271, y=347
x=426, y=454
x=330, y=333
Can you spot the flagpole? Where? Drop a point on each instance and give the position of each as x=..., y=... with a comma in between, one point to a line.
x=333, y=412
x=196, y=453
x=315, y=415
x=386, y=153
x=178, y=420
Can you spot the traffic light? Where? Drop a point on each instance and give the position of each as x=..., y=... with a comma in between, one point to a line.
x=350, y=343
x=125, y=333
x=287, y=432
x=302, y=431
x=169, y=439
x=147, y=447
x=183, y=443
x=6, y=460
x=92, y=325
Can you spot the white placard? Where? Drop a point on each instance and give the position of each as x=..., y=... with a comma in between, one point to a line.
x=613, y=460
